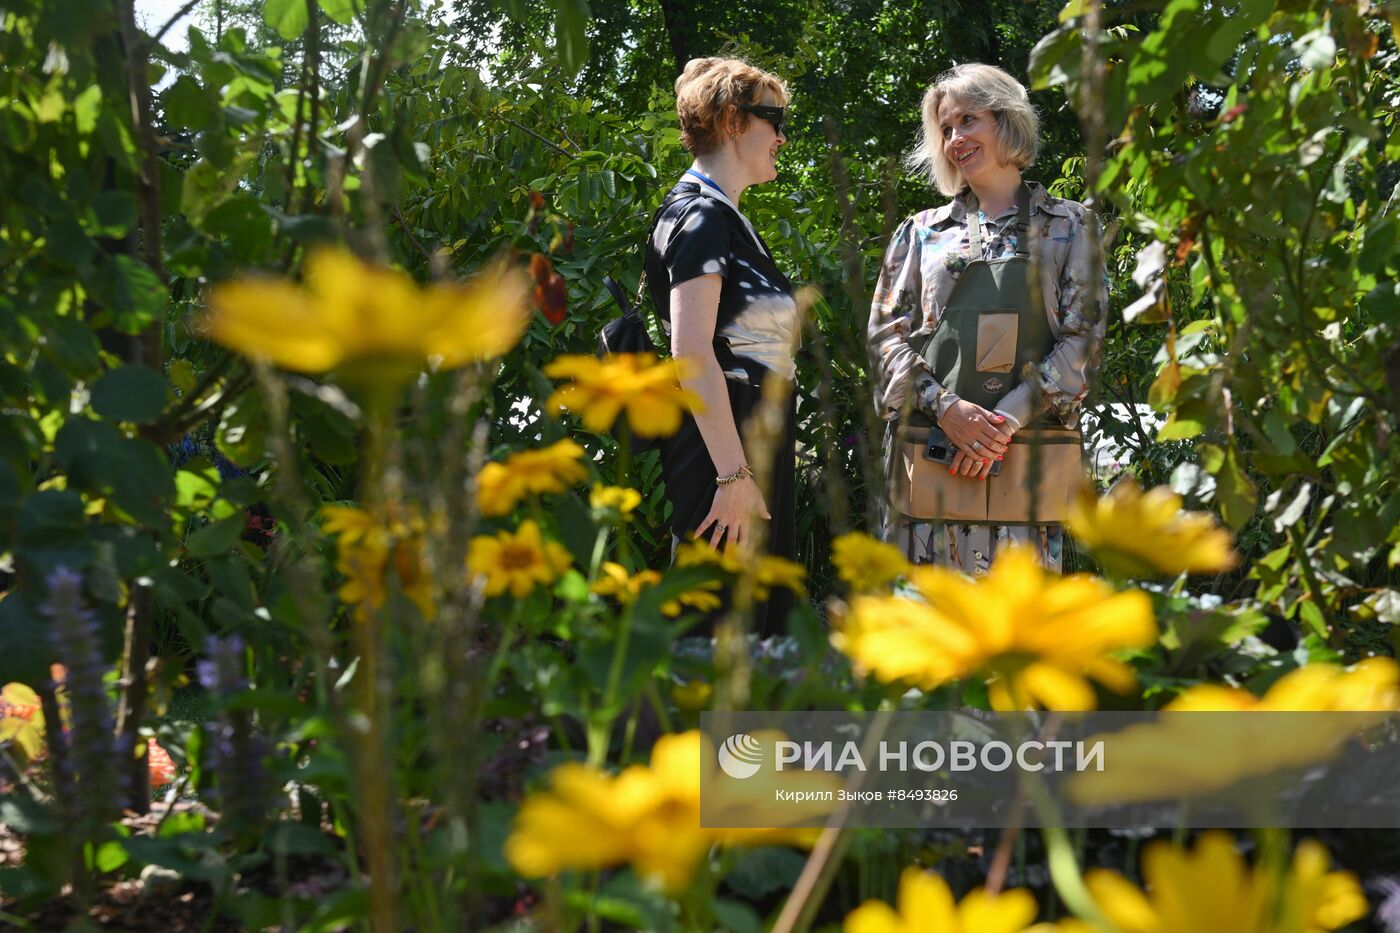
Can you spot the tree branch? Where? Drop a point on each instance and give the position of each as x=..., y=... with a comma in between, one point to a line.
x=184, y=11
x=139, y=93
x=542, y=138
x=136, y=653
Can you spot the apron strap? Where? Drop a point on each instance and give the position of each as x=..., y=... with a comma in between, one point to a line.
x=1023, y=221
x=975, y=235
x=974, y=229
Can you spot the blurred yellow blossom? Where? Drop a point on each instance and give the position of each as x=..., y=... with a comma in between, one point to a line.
x=1142, y=534
x=696, y=553
x=768, y=570
x=867, y=564
x=692, y=697
x=774, y=571
x=516, y=561
x=22, y=720
x=617, y=498
x=702, y=597
x=1037, y=636
x=925, y=905
x=552, y=469
x=646, y=388
x=1211, y=889
x=1191, y=755
x=367, y=545
x=1373, y=685
x=648, y=816
x=348, y=310
x=615, y=581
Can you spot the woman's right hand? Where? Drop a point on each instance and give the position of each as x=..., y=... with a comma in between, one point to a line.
x=979, y=435
x=733, y=512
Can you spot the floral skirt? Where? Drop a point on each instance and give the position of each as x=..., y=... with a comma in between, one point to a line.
x=969, y=548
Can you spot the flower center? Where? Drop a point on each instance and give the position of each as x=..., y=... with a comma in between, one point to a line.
x=517, y=557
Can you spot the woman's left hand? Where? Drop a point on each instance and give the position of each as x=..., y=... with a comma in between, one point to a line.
x=973, y=467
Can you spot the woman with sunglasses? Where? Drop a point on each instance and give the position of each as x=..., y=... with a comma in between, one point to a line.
x=986, y=329
x=729, y=311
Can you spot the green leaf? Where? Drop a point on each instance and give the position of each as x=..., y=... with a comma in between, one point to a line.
x=1235, y=491
x=761, y=872
x=129, y=393
x=115, y=212
x=143, y=482
x=73, y=346
x=736, y=916
x=65, y=244
x=288, y=17
x=109, y=856
x=217, y=538
x=338, y=11
x=86, y=449
x=23, y=814
x=25, y=650
x=571, y=34
x=290, y=838
x=242, y=433
x=131, y=291
x=577, y=530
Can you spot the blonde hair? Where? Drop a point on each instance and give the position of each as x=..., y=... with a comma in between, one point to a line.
x=976, y=88
x=707, y=90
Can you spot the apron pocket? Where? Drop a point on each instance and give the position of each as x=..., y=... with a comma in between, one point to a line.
x=921, y=489
x=1052, y=464
x=996, y=342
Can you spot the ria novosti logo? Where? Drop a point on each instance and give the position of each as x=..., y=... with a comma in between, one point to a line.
x=740, y=756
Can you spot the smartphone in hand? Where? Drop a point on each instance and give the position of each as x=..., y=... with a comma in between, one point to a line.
x=940, y=449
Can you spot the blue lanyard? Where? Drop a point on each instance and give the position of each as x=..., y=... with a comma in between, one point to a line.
x=706, y=180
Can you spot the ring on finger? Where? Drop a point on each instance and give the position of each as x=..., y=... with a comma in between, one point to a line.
x=976, y=445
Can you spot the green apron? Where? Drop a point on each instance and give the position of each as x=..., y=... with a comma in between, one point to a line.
x=992, y=326
x=994, y=329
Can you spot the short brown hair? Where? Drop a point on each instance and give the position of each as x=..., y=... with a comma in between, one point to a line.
x=976, y=87
x=708, y=87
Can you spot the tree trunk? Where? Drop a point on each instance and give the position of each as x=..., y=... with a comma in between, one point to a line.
x=679, y=18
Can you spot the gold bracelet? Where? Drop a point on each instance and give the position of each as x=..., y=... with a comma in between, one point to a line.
x=734, y=477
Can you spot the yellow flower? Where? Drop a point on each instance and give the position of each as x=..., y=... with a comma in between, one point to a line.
x=367, y=546
x=614, y=581
x=1038, y=636
x=648, y=815
x=697, y=553
x=552, y=469
x=925, y=905
x=517, y=561
x=617, y=498
x=349, y=311
x=701, y=597
x=774, y=571
x=648, y=389
x=866, y=564
x=1180, y=756
x=22, y=720
x=1137, y=534
x=1373, y=685
x=1211, y=889
x=692, y=697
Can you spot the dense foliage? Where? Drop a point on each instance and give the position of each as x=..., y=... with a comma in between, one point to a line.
x=330, y=573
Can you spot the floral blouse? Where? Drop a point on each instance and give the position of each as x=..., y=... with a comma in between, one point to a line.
x=922, y=264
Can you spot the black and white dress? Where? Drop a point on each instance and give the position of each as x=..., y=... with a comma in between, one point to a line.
x=700, y=232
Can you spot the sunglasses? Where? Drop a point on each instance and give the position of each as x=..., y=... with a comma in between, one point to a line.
x=773, y=115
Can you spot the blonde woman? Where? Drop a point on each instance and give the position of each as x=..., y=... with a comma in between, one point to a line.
x=986, y=328
x=729, y=310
